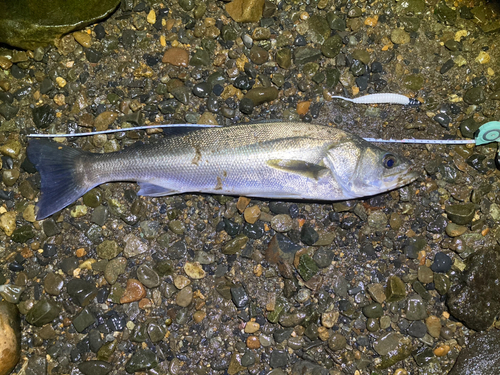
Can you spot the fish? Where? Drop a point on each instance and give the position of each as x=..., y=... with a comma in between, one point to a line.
x=280, y=160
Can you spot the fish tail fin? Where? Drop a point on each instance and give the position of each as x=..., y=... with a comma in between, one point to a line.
x=61, y=183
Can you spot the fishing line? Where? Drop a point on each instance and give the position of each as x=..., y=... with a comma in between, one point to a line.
x=123, y=130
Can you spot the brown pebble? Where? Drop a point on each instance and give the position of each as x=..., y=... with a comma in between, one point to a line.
x=83, y=38
x=323, y=333
x=252, y=327
x=433, y=324
x=442, y=350
x=242, y=203
x=251, y=214
x=134, y=291
x=176, y=56
x=81, y=252
x=103, y=120
x=198, y=316
x=303, y=107
x=10, y=337
x=145, y=303
x=253, y=342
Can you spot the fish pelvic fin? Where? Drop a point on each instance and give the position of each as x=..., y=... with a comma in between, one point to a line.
x=61, y=182
x=151, y=190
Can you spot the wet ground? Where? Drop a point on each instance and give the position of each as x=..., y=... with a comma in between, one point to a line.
x=200, y=284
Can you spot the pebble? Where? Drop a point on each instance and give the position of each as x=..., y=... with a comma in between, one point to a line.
x=442, y=263
x=376, y=291
x=8, y=222
x=251, y=214
x=416, y=308
x=198, y=316
x=10, y=337
x=253, y=342
x=82, y=292
x=147, y=276
x=282, y=223
x=11, y=148
x=395, y=289
x=252, y=327
x=262, y=95
x=134, y=291
x=399, y=36
x=433, y=324
x=417, y=329
x=108, y=249
x=133, y=246
x=53, y=284
x=245, y=10
x=176, y=56
x=181, y=281
x=95, y=367
x=455, y=230
x=83, y=38
x=460, y=213
x=373, y=310
x=194, y=270
x=337, y=342
x=104, y=120
x=425, y=275
x=184, y=297
x=141, y=360
x=114, y=268
x=43, y=312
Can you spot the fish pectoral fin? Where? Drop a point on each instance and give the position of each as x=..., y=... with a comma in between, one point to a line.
x=152, y=190
x=300, y=167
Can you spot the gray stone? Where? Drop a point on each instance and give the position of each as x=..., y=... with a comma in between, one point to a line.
x=416, y=308
x=480, y=356
x=475, y=300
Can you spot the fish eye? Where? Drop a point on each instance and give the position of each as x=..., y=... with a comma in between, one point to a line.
x=389, y=161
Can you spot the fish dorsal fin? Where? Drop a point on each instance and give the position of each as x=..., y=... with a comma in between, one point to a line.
x=300, y=167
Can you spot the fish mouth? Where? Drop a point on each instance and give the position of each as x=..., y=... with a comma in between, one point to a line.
x=404, y=179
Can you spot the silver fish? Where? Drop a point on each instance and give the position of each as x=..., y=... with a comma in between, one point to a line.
x=282, y=160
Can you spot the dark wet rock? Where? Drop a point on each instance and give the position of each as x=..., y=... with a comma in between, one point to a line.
x=308, y=235
x=417, y=329
x=142, y=359
x=45, y=311
x=83, y=320
x=43, y=116
x=443, y=119
x=100, y=215
x=373, y=310
x=47, y=21
x=281, y=248
x=447, y=66
x=108, y=249
x=262, y=95
x=23, y=234
x=442, y=263
x=423, y=356
x=395, y=289
x=475, y=300
x=475, y=95
x=284, y=58
x=305, y=54
x=246, y=106
x=442, y=283
x=468, y=127
x=95, y=367
x=50, y=228
x=148, y=276
x=461, y=214
x=200, y=58
x=10, y=337
x=82, y=292
x=307, y=368
x=8, y=111
x=239, y=296
x=332, y=46
x=279, y=358
x=402, y=351
x=445, y=14
x=416, y=308
x=480, y=356
x=307, y=267
x=53, y=284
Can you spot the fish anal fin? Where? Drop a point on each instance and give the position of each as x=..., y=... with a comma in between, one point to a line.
x=300, y=167
x=151, y=190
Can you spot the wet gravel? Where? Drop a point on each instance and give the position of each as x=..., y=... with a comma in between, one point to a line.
x=200, y=284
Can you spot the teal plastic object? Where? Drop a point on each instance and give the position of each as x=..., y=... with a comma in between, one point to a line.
x=488, y=133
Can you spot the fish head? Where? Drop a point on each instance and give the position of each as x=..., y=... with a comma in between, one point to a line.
x=363, y=169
